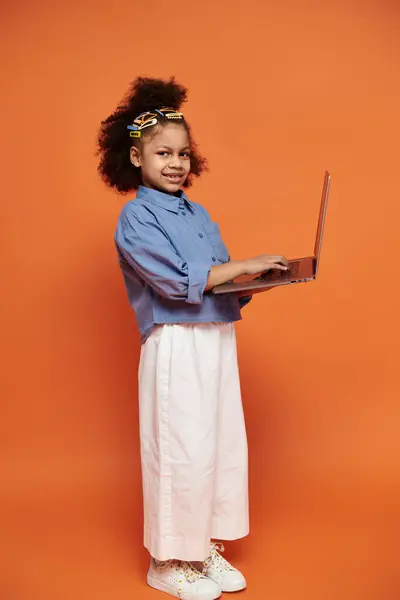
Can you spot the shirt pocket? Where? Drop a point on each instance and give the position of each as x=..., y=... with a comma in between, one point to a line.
x=214, y=237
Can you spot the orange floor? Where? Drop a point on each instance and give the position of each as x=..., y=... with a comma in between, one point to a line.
x=76, y=546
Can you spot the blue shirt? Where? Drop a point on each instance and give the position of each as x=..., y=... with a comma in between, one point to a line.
x=166, y=247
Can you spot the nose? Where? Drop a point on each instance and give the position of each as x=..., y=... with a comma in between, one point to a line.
x=175, y=162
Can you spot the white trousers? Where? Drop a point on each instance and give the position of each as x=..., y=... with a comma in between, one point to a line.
x=193, y=440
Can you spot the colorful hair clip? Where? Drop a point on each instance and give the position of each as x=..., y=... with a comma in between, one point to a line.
x=134, y=131
x=170, y=113
x=149, y=118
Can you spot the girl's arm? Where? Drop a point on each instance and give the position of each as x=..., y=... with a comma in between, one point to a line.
x=252, y=266
x=226, y=272
x=147, y=249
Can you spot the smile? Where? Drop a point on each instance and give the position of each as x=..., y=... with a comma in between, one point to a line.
x=173, y=177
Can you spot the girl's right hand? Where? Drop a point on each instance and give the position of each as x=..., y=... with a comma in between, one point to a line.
x=265, y=262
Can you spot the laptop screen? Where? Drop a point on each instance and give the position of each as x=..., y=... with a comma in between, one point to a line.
x=321, y=218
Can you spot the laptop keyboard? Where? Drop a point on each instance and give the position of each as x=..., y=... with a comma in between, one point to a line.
x=277, y=275
x=294, y=268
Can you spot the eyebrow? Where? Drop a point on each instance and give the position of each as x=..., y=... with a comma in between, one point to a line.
x=169, y=148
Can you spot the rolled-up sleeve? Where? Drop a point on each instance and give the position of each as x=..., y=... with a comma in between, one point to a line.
x=150, y=253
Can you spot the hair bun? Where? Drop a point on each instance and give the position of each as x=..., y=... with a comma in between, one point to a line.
x=147, y=94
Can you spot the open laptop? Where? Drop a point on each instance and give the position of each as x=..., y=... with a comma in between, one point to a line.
x=300, y=269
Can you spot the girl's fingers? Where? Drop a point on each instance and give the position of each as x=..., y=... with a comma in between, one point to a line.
x=279, y=260
x=279, y=264
x=275, y=267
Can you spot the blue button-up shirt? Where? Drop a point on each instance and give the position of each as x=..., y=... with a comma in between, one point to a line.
x=166, y=247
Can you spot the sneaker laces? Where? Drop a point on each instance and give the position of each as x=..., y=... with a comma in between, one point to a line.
x=186, y=568
x=216, y=560
x=191, y=573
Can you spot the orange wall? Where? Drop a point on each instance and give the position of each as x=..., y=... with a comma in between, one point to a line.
x=278, y=93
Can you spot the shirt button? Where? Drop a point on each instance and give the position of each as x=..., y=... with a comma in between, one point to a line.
x=214, y=259
x=184, y=213
x=201, y=235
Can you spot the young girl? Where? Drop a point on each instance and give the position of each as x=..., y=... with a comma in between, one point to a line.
x=192, y=430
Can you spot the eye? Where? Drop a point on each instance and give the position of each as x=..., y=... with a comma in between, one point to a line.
x=185, y=154
x=163, y=153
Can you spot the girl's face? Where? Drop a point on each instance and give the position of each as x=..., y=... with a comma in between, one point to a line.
x=164, y=158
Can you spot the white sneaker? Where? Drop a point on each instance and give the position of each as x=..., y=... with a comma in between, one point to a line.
x=221, y=571
x=182, y=580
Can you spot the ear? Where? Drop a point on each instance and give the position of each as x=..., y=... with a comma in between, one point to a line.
x=135, y=156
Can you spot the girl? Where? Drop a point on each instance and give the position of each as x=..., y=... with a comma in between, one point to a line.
x=192, y=431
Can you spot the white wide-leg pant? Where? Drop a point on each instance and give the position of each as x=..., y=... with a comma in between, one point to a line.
x=193, y=440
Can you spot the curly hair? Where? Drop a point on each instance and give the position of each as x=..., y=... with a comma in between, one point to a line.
x=114, y=142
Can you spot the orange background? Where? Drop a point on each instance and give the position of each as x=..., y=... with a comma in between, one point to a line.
x=278, y=93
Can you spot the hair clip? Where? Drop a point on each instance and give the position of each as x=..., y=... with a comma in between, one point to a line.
x=149, y=118
x=170, y=113
x=134, y=131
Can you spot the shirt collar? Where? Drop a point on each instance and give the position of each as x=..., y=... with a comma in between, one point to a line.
x=166, y=201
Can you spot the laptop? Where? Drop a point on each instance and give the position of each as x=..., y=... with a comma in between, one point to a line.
x=300, y=269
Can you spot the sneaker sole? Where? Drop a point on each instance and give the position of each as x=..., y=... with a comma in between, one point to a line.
x=237, y=588
x=163, y=587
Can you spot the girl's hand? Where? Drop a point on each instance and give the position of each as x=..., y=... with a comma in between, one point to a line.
x=265, y=262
